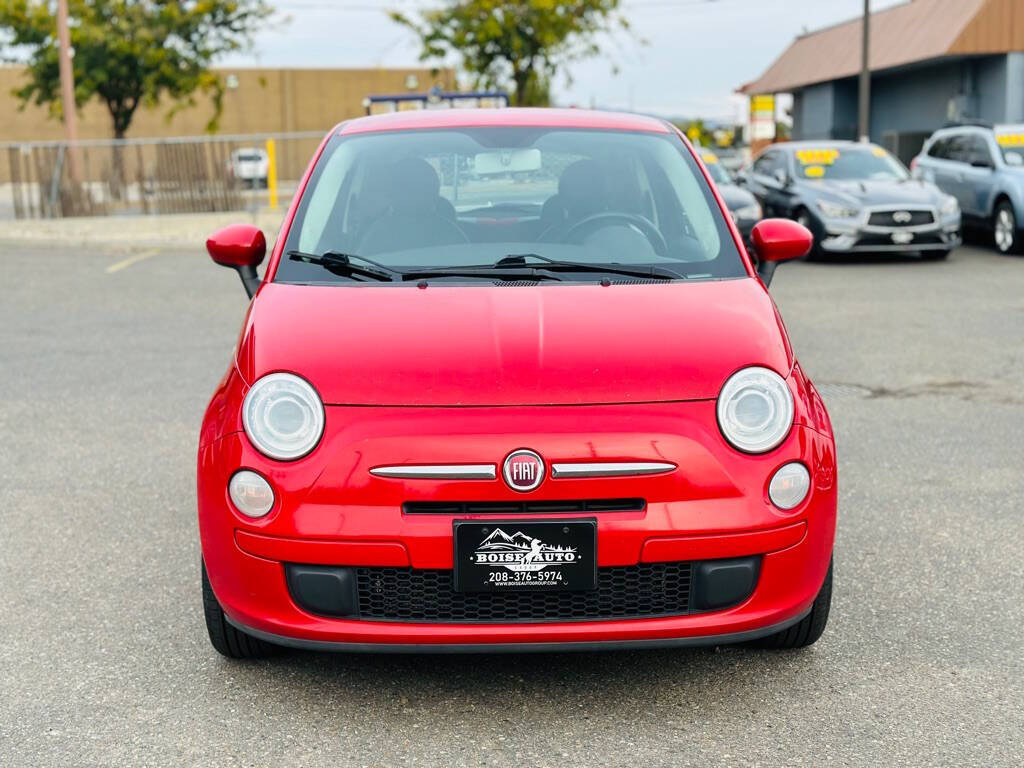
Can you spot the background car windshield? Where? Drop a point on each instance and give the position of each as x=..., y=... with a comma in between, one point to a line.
x=718, y=174
x=843, y=164
x=459, y=197
x=1011, y=144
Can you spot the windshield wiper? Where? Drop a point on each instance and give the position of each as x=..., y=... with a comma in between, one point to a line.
x=343, y=264
x=486, y=271
x=555, y=265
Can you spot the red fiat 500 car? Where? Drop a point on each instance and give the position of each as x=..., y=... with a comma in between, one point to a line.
x=511, y=382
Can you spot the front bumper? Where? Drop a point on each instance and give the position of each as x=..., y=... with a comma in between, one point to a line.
x=331, y=512
x=840, y=237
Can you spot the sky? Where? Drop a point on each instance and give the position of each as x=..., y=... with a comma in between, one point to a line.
x=696, y=52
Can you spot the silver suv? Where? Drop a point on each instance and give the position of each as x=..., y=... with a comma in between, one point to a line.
x=983, y=167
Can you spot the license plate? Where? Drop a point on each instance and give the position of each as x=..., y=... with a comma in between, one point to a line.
x=525, y=555
x=902, y=238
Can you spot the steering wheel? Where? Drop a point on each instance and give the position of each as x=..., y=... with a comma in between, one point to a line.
x=598, y=220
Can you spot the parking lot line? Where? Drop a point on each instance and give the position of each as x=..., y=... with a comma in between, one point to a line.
x=124, y=263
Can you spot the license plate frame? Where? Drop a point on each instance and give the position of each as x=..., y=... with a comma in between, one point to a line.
x=564, y=560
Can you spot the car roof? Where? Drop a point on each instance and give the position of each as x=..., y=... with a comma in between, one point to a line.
x=425, y=119
x=966, y=128
x=794, y=145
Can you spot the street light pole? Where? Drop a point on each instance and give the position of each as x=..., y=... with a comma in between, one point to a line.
x=864, y=112
x=67, y=87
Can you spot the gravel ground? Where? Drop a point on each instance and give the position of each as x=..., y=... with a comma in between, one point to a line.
x=104, y=659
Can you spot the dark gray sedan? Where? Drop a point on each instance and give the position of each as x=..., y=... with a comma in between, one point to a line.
x=742, y=205
x=855, y=198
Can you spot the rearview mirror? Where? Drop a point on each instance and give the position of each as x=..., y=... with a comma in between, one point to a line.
x=241, y=247
x=778, y=240
x=507, y=161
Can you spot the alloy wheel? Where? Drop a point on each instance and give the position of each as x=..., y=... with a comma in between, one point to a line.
x=1005, y=229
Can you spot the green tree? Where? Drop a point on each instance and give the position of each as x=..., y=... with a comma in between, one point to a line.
x=130, y=52
x=522, y=43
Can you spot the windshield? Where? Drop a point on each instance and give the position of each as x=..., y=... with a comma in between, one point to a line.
x=471, y=196
x=1011, y=144
x=848, y=164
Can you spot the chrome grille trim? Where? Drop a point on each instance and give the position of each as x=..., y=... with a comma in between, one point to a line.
x=611, y=468
x=439, y=471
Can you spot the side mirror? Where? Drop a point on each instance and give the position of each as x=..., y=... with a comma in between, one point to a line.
x=241, y=247
x=781, y=176
x=981, y=162
x=778, y=240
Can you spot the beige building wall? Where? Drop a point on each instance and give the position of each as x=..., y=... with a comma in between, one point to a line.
x=265, y=101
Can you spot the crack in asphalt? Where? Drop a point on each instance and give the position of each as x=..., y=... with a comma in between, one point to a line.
x=961, y=389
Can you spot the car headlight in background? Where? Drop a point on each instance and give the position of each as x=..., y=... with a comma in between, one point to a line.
x=835, y=211
x=755, y=409
x=950, y=207
x=250, y=493
x=283, y=416
x=747, y=212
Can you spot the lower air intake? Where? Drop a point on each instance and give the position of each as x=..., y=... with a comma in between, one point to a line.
x=625, y=592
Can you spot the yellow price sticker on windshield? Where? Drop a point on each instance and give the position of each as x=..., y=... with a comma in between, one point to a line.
x=817, y=156
x=814, y=171
x=710, y=159
x=1010, y=140
x=879, y=152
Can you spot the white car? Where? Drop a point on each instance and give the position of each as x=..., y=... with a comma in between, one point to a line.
x=249, y=165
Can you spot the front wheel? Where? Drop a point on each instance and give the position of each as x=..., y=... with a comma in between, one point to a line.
x=1004, y=229
x=806, y=631
x=803, y=218
x=225, y=639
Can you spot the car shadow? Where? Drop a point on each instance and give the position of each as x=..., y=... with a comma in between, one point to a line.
x=877, y=259
x=603, y=684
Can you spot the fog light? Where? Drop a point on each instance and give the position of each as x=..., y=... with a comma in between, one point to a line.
x=789, y=485
x=251, y=494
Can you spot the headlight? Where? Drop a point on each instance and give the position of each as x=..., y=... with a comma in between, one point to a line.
x=833, y=211
x=755, y=410
x=747, y=212
x=283, y=416
x=950, y=207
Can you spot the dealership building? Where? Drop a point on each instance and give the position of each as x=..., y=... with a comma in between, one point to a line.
x=932, y=62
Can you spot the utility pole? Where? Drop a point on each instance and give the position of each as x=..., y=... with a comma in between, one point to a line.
x=67, y=88
x=864, y=112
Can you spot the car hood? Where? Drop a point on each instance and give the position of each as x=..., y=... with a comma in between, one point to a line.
x=736, y=197
x=472, y=345
x=871, y=193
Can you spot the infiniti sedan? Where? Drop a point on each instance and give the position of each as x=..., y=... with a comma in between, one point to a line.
x=855, y=198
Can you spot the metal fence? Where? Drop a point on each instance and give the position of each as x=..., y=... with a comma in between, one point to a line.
x=142, y=176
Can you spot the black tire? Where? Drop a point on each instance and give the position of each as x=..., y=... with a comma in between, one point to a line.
x=803, y=217
x=227, y=640
x=1006, y=235
x=806, y=631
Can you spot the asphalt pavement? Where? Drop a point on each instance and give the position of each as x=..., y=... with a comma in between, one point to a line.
x=108, y=357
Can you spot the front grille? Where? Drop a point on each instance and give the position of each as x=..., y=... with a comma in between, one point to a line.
x=885, y=241
x=623, y=592
x=521, y=507
x=886, y=218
